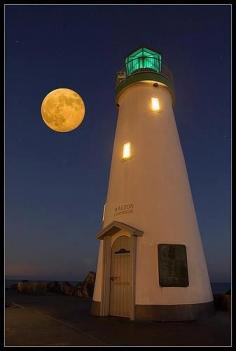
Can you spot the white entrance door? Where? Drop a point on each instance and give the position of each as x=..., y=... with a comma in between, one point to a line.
x=120, y=289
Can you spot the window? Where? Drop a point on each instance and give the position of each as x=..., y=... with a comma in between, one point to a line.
x=155, y=104
x=172, y=262
x=126, y=151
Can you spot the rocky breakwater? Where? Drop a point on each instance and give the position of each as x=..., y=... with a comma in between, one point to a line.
x=85, y=289
x=32, y=288
x=81, y=289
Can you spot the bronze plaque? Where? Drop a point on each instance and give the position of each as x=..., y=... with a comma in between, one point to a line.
x=173, y=269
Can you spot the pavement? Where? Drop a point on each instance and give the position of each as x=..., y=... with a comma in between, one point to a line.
x=58, y=320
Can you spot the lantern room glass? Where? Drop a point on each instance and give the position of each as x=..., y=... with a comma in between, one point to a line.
x=143, y=59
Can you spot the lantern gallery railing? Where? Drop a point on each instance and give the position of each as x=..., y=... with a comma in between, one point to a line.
x=164, y=72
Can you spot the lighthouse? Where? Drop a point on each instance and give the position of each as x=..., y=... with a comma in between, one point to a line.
x=151, y=263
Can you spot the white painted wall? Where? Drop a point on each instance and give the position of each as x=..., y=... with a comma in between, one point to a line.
x=155, y=181
x=97, y=293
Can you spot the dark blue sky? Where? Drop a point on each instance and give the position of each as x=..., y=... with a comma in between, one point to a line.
x=56, y=183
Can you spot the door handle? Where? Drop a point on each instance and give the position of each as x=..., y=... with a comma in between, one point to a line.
x=114, y=278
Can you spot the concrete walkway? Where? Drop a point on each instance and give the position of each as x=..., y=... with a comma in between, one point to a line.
x=27, y=326
x=65, y=320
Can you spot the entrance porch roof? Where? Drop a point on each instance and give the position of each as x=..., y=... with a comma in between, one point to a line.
x=115, y=227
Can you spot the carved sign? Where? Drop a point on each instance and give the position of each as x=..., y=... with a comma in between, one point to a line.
x=123, y=209
x=173, y=270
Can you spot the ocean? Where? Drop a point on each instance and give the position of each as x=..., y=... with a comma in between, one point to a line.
x=9, y=282
x=220, y=288
x=217, y=288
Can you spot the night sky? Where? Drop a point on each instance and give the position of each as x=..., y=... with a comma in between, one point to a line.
x=56, y=183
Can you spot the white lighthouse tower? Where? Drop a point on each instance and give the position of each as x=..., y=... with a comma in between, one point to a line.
x=151, y=263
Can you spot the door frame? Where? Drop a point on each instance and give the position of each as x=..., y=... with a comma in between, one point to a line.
x=106, y=235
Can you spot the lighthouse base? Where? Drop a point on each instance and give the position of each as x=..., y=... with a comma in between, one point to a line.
x=167, y=313
x=95, y=308
x=174, y=312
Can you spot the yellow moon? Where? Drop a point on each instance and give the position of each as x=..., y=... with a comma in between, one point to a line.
x=63, y=110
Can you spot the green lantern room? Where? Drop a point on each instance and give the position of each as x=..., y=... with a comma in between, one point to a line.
x=143, y=60
x=144, y=64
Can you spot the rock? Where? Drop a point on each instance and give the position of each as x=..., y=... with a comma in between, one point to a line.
x=13, y=286
x=87, y=286
x=67, y=288
x=77, y=289
x=77, y=285
x=34, y=288
x=19, y=287
x=222, y=302
x=54, y=287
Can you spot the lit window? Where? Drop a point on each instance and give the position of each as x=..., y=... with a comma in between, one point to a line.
x=155, y=104
x=126, y=151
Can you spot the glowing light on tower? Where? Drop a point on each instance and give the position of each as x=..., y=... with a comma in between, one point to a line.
x=126, y=151
x=155, y=104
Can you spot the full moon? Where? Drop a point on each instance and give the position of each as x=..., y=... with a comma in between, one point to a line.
x=63, y=110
